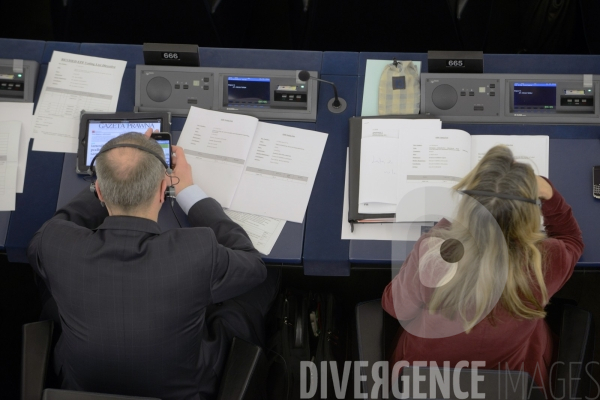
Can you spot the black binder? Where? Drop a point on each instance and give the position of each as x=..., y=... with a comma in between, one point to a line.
x=354, y=169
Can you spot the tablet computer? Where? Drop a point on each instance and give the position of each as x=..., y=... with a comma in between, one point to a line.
x=95, y=129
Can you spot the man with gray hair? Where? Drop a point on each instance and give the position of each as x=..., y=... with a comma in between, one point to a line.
x=145, y=312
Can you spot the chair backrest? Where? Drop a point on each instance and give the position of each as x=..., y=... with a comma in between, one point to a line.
x=244, y=376
x=56, y=394
x=451, y=383
x=35, y=353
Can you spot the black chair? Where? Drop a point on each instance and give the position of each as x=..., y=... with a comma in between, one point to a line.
x=376, y=330
x=244, y=377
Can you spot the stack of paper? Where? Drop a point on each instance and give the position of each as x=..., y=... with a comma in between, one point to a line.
x=253, y=168
x=22, y=112
x=74, y=83
x=10, y=132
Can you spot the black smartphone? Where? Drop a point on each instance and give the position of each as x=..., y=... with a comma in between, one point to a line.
x=164, y=140
x=596, y=181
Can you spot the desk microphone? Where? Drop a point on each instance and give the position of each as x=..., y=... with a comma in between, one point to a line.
x=335, y=105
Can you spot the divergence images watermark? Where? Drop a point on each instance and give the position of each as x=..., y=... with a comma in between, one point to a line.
x=427, y=380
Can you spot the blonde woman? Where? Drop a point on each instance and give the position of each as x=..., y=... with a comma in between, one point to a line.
x=491, y=273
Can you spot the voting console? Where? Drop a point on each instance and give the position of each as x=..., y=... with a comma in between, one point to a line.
x=17, y=80
x=265, y=94
x=511, y=98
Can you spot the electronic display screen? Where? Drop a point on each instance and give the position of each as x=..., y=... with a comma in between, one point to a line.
x=101, y=131
x=534, y=95
x=248, y=90
x=166, y=149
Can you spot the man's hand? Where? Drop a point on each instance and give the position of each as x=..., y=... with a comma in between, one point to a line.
x=545, y=191
x=181, y=170
x=149, y=132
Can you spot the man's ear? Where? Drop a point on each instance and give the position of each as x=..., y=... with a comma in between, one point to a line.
x=98, y=192
x=163, y=188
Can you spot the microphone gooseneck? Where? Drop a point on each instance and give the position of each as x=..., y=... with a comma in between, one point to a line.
x=304, y=76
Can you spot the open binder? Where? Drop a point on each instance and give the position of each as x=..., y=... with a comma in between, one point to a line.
x=354, y=170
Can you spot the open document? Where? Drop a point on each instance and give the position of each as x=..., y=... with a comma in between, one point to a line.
x=10, y=132
x=74, y=83
x=427, y=157
x=216, y=145
x=263, y=231
x=381, y=159
x=250, y=166
x=22, y=112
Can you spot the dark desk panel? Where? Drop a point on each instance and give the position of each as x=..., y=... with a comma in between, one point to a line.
x=22, y=49
x=260, y=59
x=324, y=251
x=37, y=203
x=340, y=63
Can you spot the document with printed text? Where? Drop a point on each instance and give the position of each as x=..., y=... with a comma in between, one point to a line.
x=10, y=132
x=263, y=231
x=427, y=156
x=22, y=112
x=250, y=166
x=74, y=83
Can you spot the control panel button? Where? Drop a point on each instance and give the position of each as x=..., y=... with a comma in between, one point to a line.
x=471, y=93
x=492, y=85
x=192, y=101
x=205, y=87
x=206, y=79
x=185, y=86
x=177, y=86
x=492, y=93
x=463, y=93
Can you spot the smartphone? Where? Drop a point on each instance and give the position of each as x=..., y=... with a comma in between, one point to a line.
x=596, y=182
x=164, y=140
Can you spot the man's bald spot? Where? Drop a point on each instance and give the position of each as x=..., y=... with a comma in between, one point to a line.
x=124, y=160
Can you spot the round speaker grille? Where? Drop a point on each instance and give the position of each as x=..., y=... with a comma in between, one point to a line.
x=159, y=89
x=444, y=97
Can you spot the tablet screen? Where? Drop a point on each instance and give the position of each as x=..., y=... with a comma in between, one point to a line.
x=101, y=131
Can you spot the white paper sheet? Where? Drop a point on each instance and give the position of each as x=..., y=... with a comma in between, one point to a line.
x=74, y=83
x=376, y=231
x=533, y=150
x=381, y=159
x=22, y=112
x=280, y=172
x=216, y=145
x=263, y=231
x=10, y=131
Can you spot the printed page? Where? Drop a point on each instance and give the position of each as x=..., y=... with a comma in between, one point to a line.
x=533, y=150
x=436, y=158
x=216, y=145
x=280, y=172
x=22, y=112
x=380, y=158
x=10, y=131
x=376, y=230
x=263, y=231
x=74, y=83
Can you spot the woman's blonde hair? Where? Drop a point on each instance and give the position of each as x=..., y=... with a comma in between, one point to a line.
x=510, y=254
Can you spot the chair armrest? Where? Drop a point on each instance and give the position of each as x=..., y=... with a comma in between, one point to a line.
x=244, y=376
x=35, y=353
x=575, y=352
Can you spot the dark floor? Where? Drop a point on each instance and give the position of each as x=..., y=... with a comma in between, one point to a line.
x=19, y=305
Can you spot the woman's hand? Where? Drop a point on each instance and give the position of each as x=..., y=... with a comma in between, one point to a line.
x=544, y=189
